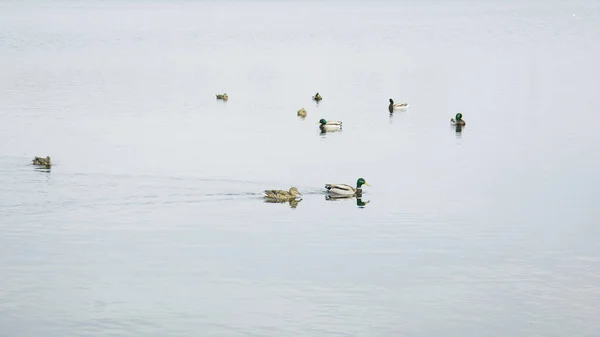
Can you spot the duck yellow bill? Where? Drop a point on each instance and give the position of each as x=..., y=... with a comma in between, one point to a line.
x=367, y=184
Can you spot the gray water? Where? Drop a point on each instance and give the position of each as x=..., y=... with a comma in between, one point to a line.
x=151, y=222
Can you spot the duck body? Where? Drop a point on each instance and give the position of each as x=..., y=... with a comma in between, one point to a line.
x=341, y=190
x=281, y=195
x=302, y=112
x=222, y=96
x=345, y=190
x=41, y=161
x=397, y=106
x=329, y=126
x=458, y=122
x=317, y=97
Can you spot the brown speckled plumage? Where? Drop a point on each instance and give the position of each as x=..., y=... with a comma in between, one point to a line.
x=40, y=161
x=281, y=194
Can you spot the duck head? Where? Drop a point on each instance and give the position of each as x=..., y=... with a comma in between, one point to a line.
x=294, y=191
x=361, y=182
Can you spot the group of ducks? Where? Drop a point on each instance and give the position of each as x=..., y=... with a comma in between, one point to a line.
x=293, y=196
x=334, y=190
x=331, y=126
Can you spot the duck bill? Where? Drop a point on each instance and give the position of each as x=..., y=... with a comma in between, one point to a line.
x=367, y=184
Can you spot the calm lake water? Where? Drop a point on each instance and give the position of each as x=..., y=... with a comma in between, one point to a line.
x=151, y=222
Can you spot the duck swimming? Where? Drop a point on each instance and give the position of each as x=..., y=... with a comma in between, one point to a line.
x=222, y=96
x=302, y=112
x=329, y=126
x=282, y=195
x=457, y=120
x=397, y=106
x=346, y=190
x=317, y=97
x=41, y=161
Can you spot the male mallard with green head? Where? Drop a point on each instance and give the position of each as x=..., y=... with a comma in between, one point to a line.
x=458, y=120
x=329, y=126
x=282, y=195
x=347, y=190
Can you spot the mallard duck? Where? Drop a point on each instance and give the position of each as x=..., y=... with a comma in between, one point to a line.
x=282, y=195
x=222, y=96
x=347, y=190
x=40, y=161
x=329, y=126
x=397, y=106
x=317, y=97
x=458, y=120
x=302, y=112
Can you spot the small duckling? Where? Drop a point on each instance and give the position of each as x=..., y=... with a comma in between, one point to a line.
x=317, y=97
x=302, y=112
x=282, y=195
x=457, y=120
x=223, y=96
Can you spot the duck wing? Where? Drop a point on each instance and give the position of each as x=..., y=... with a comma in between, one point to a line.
x=276, y=194
x=327, y=128
x=340, y=188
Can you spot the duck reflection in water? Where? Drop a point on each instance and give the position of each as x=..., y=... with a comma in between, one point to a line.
x=293, y=203
x=458, y=129
x=42, y=169
x=359, y=202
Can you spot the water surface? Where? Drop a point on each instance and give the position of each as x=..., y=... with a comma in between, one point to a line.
x=151, y=221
